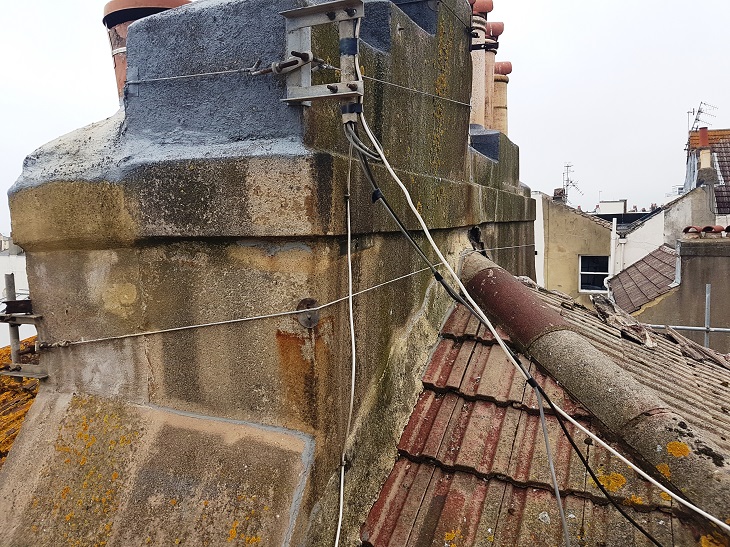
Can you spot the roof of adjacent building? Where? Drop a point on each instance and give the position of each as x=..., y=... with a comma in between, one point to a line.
x=598, y=220
x=719, y=140
x=645, y=280
x=472, y=462
x=722, y=196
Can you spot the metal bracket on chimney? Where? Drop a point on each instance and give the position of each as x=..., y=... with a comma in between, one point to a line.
x=299, y=23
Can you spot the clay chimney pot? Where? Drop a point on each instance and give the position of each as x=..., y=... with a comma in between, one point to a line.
x=503, y=68
x=704, y=138
x=495, y=29
x=482, y=6
x=118, y=15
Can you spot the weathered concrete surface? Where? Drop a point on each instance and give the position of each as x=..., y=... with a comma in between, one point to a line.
x=207, y=200
x=102, y=471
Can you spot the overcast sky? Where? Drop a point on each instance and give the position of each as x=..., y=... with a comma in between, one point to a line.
x=605, y=86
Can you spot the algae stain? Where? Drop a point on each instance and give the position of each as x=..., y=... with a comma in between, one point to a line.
x=663, y=468
x=678, y=449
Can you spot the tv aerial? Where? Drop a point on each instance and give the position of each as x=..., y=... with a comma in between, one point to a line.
x=705, y=109
x=568, y=182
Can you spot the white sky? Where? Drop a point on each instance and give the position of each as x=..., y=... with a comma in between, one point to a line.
x=603, y=85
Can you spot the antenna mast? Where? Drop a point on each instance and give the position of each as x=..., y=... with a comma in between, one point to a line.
x=568, y=182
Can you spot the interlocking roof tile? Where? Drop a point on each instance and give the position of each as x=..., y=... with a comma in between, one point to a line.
x=645, y=280
x=473, y=468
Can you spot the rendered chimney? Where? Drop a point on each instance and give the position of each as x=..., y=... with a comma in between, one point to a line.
x=493, y=31
x=705, y=150
x=118, y=15
x=501, y=79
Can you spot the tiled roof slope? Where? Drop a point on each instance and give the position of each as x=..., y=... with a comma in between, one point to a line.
x=472, y=466
x=645, y=280
x=722, y=195
x=719, y=140
x=721, y=150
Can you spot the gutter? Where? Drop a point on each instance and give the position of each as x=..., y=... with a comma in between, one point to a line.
x=627, y=408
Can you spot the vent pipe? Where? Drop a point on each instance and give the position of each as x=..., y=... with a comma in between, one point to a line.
x=501, y=71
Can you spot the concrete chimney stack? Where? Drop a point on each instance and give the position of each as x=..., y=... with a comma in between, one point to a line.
x=480, y=8
x=501, y=79
x=118, y=15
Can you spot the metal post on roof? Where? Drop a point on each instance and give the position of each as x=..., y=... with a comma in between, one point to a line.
x=708, y=290
x=14, y=328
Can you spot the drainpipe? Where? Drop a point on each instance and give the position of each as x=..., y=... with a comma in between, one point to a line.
x=480, y=8
x=612, y=259
x=493, y=32
x=501, y=79
x=118, y=15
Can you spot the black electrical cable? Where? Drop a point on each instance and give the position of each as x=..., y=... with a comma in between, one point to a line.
x=377, y=193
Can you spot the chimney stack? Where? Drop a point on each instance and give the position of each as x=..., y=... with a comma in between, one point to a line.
x=480, y=8
x=118, y=15
x=501, y=79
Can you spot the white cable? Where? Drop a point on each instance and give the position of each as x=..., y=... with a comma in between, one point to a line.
x=342, y=504
x=501, y=343
x=684, y=502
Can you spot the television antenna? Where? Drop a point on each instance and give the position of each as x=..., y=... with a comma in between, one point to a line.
x=704, y=109
x=568, y=182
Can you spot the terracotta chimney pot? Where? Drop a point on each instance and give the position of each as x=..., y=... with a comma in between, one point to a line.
x=118, y=15
x=495, y=30
x=704, y=138
x=482, y=6
x=503, y=68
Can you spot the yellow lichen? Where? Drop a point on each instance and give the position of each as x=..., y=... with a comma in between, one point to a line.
x=665, y=496
x=633, y=501
x=451, y=537
x=678, y=449
x=233, y=532
x=710, y=541
x=663, y=468
x=115, y=476
x=612, y=482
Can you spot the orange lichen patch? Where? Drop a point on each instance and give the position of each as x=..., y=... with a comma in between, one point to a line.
x=233, y=532
x=663, y=468
x=612, y=482
x=451, y=538
x=665, y=496
x=712, y=541
x=678, y=449
x=634, y=501
x=16, y=397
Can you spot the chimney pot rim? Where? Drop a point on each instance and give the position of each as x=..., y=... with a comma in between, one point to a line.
x=115, y=6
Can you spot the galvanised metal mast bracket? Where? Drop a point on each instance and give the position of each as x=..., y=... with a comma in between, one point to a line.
x=299, y=23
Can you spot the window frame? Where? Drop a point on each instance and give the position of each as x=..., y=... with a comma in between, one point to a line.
x=581, y=273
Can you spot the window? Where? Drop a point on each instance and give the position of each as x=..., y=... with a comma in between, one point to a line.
x=593, y=271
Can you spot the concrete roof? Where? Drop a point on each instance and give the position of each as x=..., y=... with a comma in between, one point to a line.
x=472, y=463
